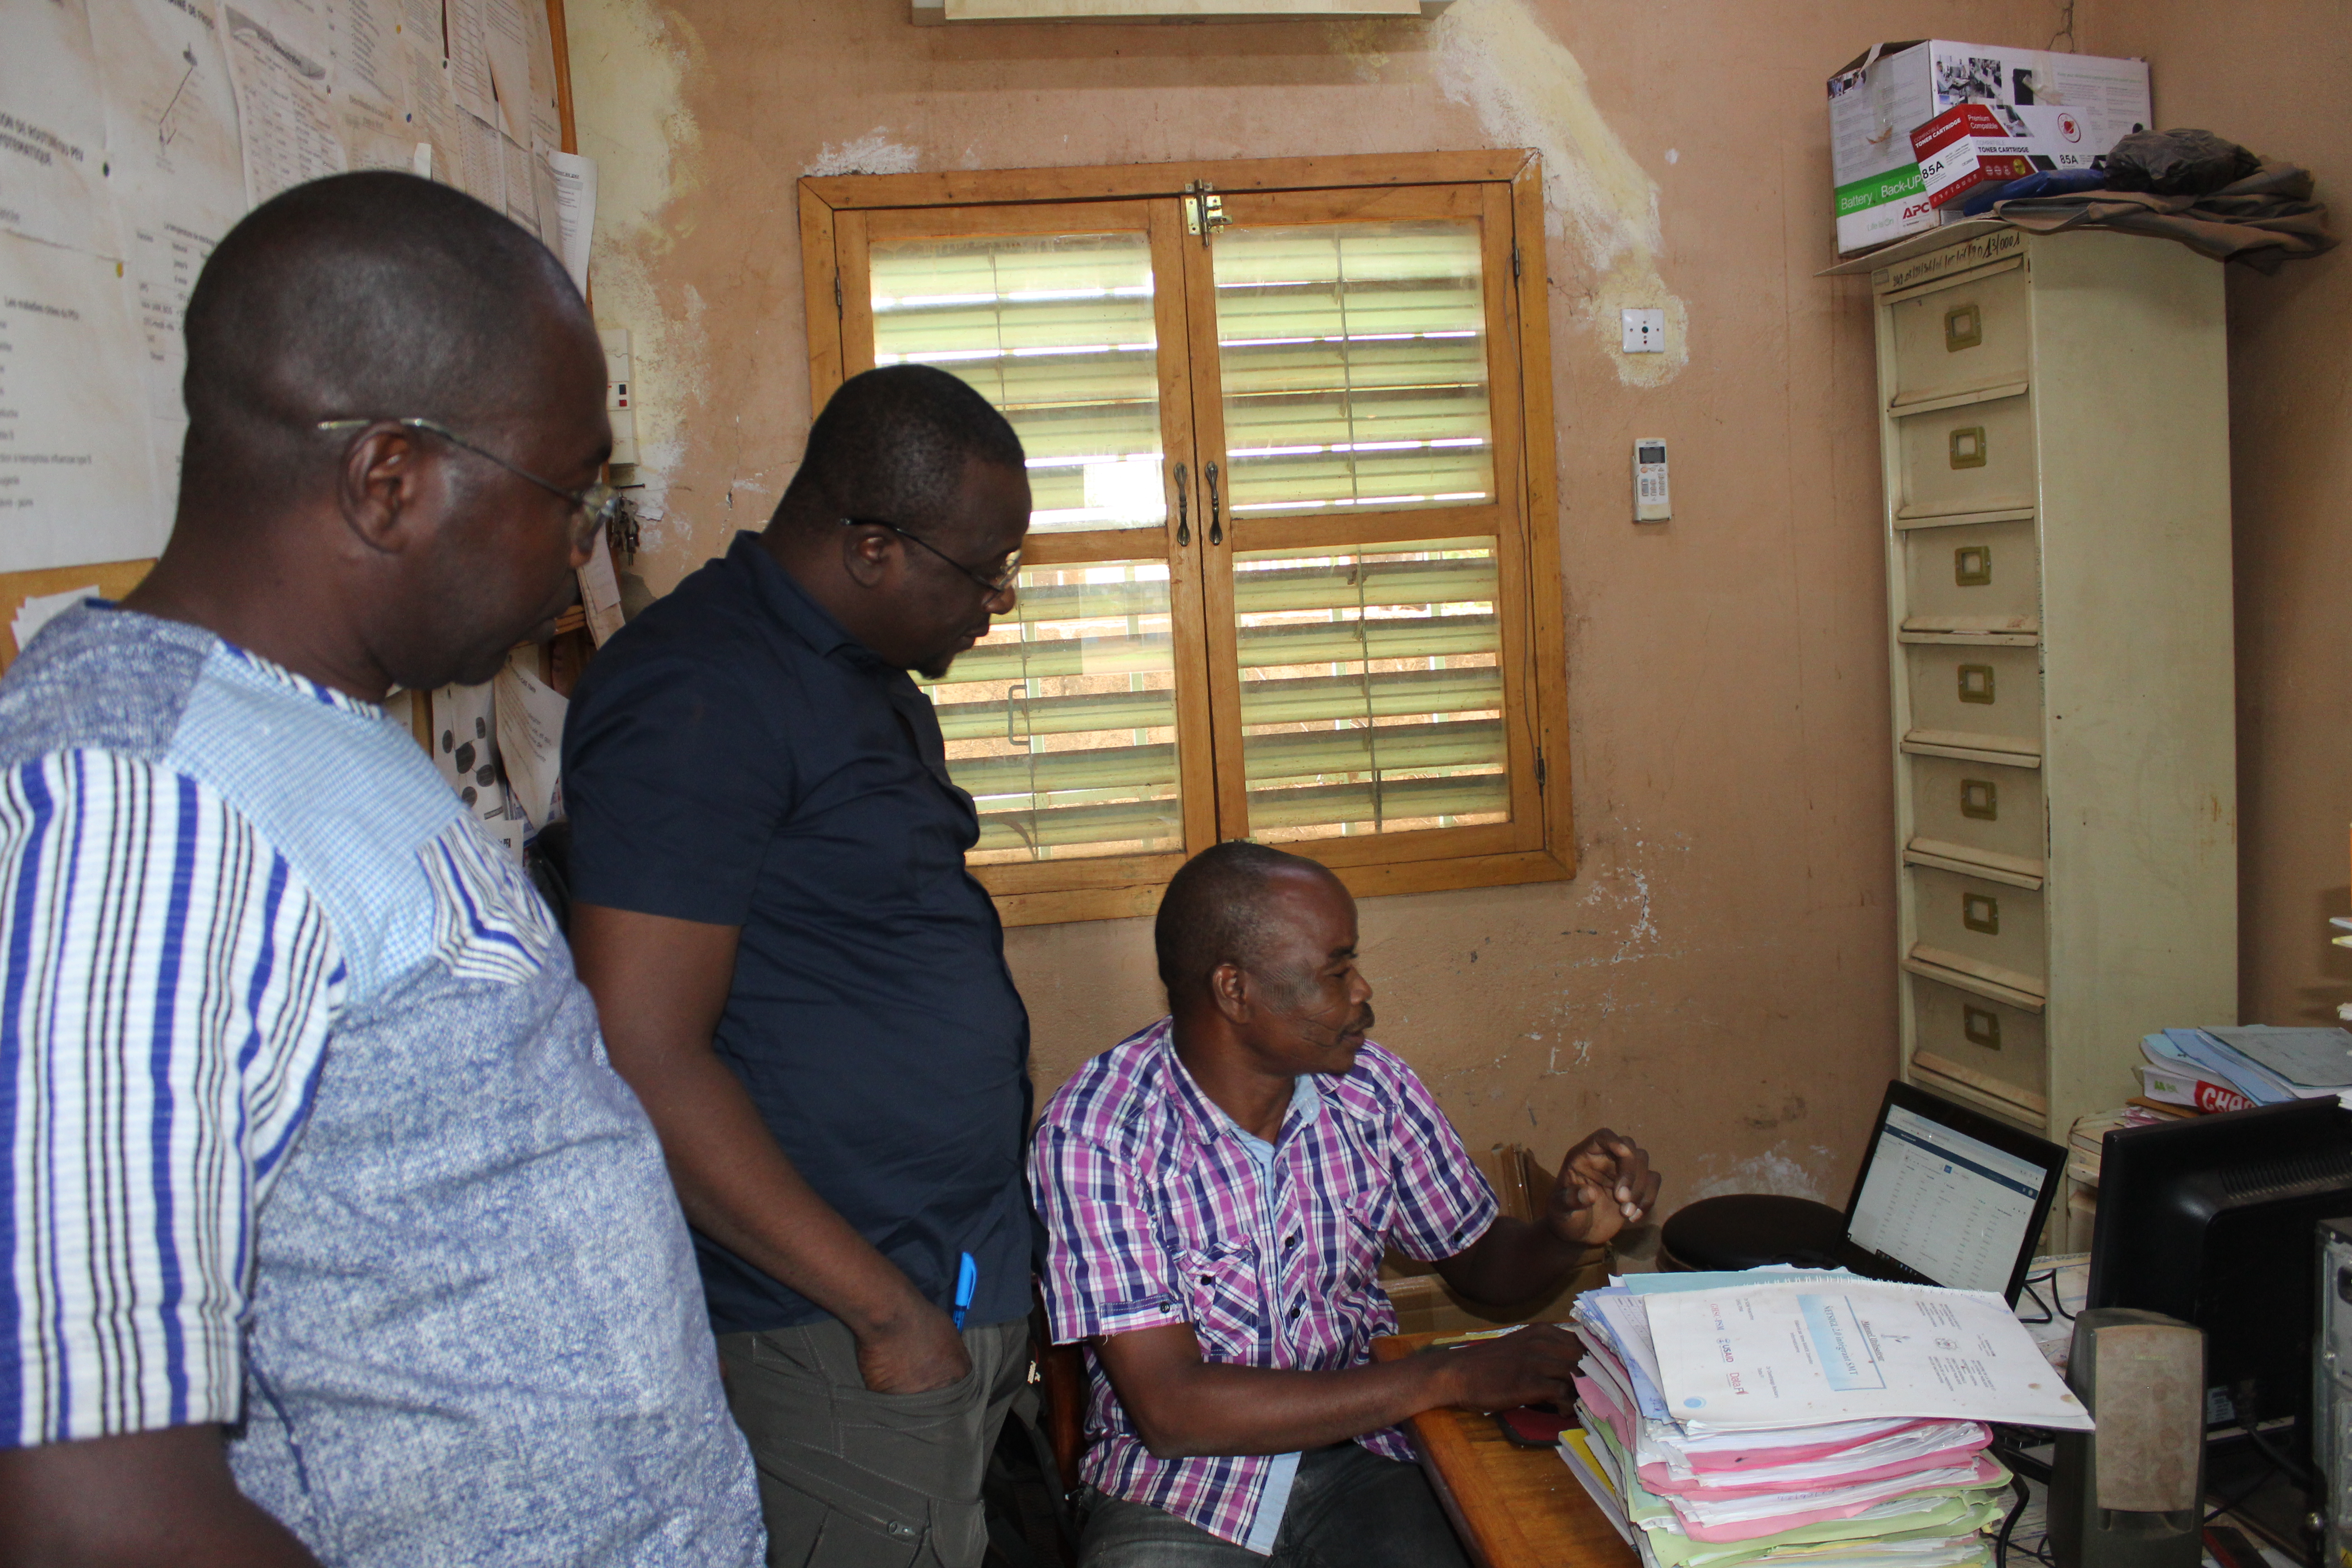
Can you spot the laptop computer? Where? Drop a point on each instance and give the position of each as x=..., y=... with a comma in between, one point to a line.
x=1948, y=1196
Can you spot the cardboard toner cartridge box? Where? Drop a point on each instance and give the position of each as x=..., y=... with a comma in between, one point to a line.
x=1893, y=89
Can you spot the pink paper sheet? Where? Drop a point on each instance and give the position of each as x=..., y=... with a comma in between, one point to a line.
x=1986, y=1472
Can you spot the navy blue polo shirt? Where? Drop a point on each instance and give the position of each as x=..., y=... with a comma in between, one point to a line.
x=733, y=757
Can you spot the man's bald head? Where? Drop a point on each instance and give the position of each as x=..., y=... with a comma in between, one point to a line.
x=367, y=295
x=894, y=443
x=1215, y=913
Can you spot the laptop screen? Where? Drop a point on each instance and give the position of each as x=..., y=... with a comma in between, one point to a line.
x=1950, y=1208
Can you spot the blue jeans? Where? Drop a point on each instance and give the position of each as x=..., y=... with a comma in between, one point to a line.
x=1348, y=1509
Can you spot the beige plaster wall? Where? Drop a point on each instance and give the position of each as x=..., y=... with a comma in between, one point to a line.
x=1718, y=979
x=2274, y=75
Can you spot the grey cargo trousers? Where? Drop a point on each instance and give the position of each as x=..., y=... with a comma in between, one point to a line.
x=851, y=1478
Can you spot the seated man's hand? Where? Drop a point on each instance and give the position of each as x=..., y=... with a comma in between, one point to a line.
x=1536, y=1366
x=1605, y=1185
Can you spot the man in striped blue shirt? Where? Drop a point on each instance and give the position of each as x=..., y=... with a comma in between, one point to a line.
x=327, y=1232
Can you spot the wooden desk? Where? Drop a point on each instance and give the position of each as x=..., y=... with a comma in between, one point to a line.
x=1518, y=1508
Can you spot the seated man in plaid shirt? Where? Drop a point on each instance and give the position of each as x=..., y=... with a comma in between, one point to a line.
x=1217, y=1192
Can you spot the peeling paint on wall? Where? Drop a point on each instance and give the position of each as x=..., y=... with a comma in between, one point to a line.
x=1528, y=90
x=1770, y=1172
x=872, y=154
x=629, y=64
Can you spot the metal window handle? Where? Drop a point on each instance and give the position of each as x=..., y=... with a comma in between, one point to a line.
x=1016, y=700
x=1183, y=508
x=1216, y=510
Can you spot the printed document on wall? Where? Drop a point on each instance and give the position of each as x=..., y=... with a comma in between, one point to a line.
x=363, y=47
x=530, y=737
x=283, y=109
x=508, y=39
x=433, y=114
x=52, y=130
x=573, y=179
x=466, y=750
x=77, y=472
x=1790, y=1355
x=176, y=170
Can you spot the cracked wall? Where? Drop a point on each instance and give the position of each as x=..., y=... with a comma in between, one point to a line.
x=1718, y=980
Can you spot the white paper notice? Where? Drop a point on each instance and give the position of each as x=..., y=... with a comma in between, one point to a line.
x=531, y=738
x=52, y=129
x=434, y=117
x=575, y=211
x=546, y=112
x=282, y=109
x=469, y=58
x=482, y=165
x=521, y=193
x=374, y=138
x=177, y=175
x=41, y=609
x=600, y=592
x=1786, y=1355
x=76, y=472
x=509, y=41
x=466, y=750
x=363, y=45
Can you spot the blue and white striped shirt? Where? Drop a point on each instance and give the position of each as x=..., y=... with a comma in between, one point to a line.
x=168, y=989
x=307, y=1131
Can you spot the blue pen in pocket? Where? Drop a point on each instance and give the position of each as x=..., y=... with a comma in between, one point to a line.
x=967, y=1286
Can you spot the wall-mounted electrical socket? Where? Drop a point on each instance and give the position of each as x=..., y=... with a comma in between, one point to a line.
x=620, y=395
x=1645, y=331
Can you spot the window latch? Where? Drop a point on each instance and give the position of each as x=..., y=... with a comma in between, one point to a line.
x=1204, y=211
x=1183, y=508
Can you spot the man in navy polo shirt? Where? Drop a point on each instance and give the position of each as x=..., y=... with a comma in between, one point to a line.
x=805, y=986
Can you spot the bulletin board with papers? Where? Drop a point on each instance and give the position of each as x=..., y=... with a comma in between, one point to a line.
x=133, y=134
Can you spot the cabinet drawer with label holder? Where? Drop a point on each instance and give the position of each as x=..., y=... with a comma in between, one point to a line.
x=1992, y=694
x=1977, y=813
x=1975, y=457
x=1963, y=336
x=1978, y=1050
x=1976, y=577
x=1975, y=926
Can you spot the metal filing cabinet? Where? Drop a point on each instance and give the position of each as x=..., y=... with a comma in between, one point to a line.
x=2055, y=437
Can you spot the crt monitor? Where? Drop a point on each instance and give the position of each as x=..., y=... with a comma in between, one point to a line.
x=2211, y=1219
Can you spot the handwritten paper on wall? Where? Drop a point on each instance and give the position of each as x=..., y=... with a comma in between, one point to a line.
x=135, y=134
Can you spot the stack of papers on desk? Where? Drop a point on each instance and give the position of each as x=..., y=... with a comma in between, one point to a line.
x=1782, y=1416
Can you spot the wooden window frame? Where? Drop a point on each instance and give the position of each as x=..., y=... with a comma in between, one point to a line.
x=838, y=213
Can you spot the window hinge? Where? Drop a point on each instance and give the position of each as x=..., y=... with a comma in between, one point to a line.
x=1515, y=260
x=1540, y=770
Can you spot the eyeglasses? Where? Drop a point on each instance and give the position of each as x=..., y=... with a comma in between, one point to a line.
x=596, y=507
x=992, y=585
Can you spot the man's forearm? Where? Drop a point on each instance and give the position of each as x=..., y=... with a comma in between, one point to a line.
x=741, y=1191
x=160, y=1497
x=1214, y=1408
x=1513, y=1262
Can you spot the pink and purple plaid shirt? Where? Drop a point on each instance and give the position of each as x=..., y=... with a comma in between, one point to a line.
x=1156, y=1213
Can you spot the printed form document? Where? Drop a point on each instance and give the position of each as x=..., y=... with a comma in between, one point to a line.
x=1787, y=1356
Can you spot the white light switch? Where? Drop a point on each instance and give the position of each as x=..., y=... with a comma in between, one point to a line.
x=1645, y=331
x=620, y=393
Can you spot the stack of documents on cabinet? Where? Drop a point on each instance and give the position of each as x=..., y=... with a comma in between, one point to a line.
x=1785, y=1416
x=2268, y=1065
